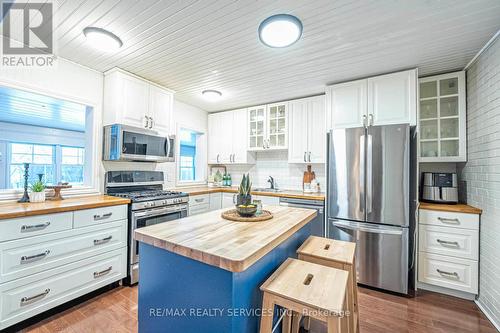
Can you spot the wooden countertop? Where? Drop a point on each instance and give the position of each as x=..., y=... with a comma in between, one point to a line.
x=233, y=246
x=458, y=208
x=281, y=194
x=16, y=209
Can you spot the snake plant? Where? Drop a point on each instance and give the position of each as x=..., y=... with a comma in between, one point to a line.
x=245, y=185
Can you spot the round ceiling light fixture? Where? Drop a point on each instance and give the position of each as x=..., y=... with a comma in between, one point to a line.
x=280, y=30
x=102, y=39
x=211, y=95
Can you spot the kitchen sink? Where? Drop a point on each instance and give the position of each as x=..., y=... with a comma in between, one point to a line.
x=266, y=190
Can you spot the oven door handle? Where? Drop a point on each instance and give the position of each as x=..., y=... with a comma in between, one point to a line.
x=160, y=211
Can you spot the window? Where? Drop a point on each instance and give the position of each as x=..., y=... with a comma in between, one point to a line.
x=192, y=161
x=187, y=156
x=55, y=136
x=43, y=160
x=72, y=162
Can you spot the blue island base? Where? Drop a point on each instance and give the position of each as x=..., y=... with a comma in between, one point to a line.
x=179, y=294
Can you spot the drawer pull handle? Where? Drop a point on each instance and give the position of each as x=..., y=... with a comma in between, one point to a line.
x=444, y=243
x=102, y=241
x=102, y=273
x=29, y=259
x=454, y=274
x=35, y=227
x=102, y=217
x=31, y=299
x=446, y=220
x=199, y=200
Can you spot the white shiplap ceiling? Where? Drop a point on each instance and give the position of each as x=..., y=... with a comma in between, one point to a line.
x=192, y=45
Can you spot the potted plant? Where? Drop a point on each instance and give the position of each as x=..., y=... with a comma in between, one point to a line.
x=37, y=193
x=244, y=197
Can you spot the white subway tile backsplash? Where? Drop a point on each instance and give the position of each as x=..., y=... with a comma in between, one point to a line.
x=275, y=164
x=482, y=170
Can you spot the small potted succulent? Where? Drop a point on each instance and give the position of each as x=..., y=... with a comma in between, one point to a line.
x=244, y=198
x=37, y=193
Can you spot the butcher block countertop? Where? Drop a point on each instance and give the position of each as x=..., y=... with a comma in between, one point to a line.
x=458, y=208
x=16, y=209
x=281, y=194
x=233, y=246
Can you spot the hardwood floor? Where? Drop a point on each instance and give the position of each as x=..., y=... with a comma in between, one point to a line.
x=116, y=311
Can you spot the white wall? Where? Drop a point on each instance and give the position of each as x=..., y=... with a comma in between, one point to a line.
x=68, y=81
x=184, y=115
x=482, y=170
x=275, y=164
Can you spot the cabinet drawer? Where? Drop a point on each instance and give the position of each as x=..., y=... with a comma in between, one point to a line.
x=24, y=298
x=448, y=272
x=447, y=219
x=34, y=225
x=461, y=243
x=87, y=217
x=199, y=199
x=199, y=209
x=27, y=256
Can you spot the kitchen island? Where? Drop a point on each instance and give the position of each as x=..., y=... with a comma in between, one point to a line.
x=202, y=273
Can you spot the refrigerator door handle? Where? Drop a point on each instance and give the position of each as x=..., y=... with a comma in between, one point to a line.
x=362, y=166
x=369, y=174
x=363, y=227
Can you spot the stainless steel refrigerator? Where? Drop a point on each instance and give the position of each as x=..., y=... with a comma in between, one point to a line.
x=371, y=201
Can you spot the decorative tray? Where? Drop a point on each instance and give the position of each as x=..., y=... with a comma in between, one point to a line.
x=232, y=215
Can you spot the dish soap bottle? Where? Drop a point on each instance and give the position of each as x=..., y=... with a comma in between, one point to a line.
x=229, y=180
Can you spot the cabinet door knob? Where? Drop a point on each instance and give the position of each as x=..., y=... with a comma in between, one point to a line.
x=370, y=117
x=309, y=156
x=365, y=123
x=146, y=125
x=150, y=122
x=305, y=153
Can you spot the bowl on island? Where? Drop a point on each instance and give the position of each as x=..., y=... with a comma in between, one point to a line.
x=246, y=210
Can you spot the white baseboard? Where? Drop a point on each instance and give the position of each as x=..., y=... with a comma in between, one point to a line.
x=488, y=315
x=446, y=291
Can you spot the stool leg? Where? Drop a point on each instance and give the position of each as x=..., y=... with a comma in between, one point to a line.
x=334, y=325
x=286, y=324
x=350, y=301
x=266, y=318
x=355, y=295
x=296, y=322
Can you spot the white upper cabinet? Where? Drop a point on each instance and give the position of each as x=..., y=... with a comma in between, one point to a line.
x=347, y=104
x=307, y=130
x=130, y=100
x=443, y=118
x=380, y=100
x=227, y=138
x=160, y=109
x=268, y=127
x=392, y=98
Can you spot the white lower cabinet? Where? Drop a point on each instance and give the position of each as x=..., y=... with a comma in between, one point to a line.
x=61, y=257
x=228, y=200
x=32, y=255
x=215, y=201
x=274, y=201
x=448, y=250
x=198, y=204
x=448, y=272
x=26, y=297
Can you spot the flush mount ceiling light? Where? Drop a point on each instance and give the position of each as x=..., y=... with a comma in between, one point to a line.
x=280, y=30
x=211, y=95
x=102, y=39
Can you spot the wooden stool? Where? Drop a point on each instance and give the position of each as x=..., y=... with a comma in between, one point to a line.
x=306, y=288
x=336, y=254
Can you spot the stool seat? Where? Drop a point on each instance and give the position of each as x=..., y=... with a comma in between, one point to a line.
x=316, y=286
x=329, y=249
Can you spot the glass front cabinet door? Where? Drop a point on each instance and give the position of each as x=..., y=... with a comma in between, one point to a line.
x=442, y=118
x=268, y=126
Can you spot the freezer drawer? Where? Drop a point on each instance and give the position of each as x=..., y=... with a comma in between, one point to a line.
x=381, y=252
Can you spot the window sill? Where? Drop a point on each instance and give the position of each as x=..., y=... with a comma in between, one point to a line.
x=12, y=195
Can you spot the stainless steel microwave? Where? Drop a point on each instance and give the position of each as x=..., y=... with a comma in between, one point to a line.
x=127, y=143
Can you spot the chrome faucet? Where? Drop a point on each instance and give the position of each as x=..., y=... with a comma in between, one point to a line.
x=271, y=181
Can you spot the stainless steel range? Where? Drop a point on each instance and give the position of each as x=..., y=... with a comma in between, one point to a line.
x=150, y=205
